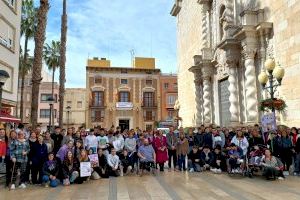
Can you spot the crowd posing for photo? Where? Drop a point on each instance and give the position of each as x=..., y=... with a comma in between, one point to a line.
x=72, y=156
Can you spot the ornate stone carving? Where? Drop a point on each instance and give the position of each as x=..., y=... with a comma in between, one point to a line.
x=207, y=72
x=250, y=85
x=205, y=26
x=199, y=101
x=233, y=97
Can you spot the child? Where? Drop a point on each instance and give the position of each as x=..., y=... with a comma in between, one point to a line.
x=219, y=162
x=126, y=164
x=206, y=158
x=234, y=160
x=194, y=161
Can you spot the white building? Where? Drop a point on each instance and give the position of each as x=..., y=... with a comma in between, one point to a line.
x=10, y=20
x=222, y=47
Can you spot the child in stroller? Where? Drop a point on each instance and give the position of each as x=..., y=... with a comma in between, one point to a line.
x=255, y=157
x=235, y=159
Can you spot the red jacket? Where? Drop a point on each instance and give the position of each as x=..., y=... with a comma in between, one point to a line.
x=3, y=147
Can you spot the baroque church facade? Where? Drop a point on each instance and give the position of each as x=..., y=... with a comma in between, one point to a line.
x=222, y=47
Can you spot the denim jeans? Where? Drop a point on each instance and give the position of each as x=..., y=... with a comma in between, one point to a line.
x=181, y=162
x=195, y=166
x=53, y=183
x=297, y=163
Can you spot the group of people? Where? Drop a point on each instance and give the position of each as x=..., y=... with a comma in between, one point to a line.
x=31, y=156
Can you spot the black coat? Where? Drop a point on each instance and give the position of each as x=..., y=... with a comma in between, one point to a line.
x=198, y=139
x=208, y=140
x=193, y=156
x=66, y=171
x=39, y=154
x=57, y=138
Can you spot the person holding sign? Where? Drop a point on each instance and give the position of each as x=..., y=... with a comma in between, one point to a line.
x=85, y=167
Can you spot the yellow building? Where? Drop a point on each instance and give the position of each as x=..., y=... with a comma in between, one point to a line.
x=75, y=107
x=122, y=96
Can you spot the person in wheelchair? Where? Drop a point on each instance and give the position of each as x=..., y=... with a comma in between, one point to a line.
x=146, y=156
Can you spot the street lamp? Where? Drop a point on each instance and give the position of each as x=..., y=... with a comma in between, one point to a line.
x=274, y=77
x=3, y=78
x=51, y=102
x=68, y=108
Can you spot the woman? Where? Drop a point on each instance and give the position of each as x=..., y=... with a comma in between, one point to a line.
x=70, y=168
x=39, y=154
x=286, y=154
x=3, y=147
x=160, y=146
x=19, y=150
x=83, y=158
x=182, y=151
x=272, y=166
x=241, y=141
x=9, y=164
x=102, y=168
x=50, y=171
x=78, y=148
x=49, y=141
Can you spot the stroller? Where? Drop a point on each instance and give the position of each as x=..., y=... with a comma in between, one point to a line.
x=254, y=161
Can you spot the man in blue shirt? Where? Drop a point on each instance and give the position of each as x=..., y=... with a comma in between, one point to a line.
x=147, y=156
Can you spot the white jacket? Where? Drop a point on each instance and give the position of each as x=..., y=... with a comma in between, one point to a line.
x=243, y=144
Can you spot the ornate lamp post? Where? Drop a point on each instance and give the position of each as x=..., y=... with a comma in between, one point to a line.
x=68, y=108
x=274, y=77
x=3, y=78
x=51, y=102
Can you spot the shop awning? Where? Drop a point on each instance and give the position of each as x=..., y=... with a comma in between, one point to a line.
x=5, y=117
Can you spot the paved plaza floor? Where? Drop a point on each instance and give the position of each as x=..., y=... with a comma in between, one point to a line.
x=169, y=185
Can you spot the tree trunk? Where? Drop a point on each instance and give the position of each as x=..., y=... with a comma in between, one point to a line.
x=39, y=39
x=62, y=62
x=52, y=108
x=23, y=74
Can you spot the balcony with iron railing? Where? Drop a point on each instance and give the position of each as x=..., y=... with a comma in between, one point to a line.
x=149, y=105
x=97, y=105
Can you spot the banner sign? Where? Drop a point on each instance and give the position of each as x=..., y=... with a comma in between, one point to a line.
x=268, y=122
x=85, y=169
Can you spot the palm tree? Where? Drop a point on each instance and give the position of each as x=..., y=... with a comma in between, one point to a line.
x=51, y=57
x=62, y=62
x=28, y=25
x=39, y=39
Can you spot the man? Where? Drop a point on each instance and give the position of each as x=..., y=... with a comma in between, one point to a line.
x=208, y=138
x=68, y=137
x=172, y=141
x=198, y=139
x=91, y=141
x=147, y=156
x=57, y=137
x=194, y=161
x=113, y=162
x=118, y=143
x=103, y=142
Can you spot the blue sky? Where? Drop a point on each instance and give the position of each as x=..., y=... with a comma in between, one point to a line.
x=111, y=28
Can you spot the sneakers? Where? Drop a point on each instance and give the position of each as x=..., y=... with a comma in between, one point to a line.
x=191, y=170
x=213, y=170
x=286, y=173
x=280, y=178
x=13, y=187
x=219, y=171
x=22, y=186
x=296, y=174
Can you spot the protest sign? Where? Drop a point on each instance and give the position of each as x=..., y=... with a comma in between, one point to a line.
x=85, y=169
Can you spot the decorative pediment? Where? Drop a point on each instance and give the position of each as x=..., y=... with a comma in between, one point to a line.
x=148, y=89
x=124, y=88
x=97, y=88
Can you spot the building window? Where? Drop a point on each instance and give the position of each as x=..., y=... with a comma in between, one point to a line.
x=7, y=33
x=46, y=97
x=98, y=80
x=45, y=113
x=124, y=97
x=170, y=114
x=149, y=115
x=171, y=100
x=148, y=99
x=97, y=115
x=123, y=71
x=124, y=81
x=166, y=85
x=79, y=104
x=98, y=98
x=148, y=82
x=175, y=86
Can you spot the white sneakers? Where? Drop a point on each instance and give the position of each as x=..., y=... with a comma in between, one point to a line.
x=22, y=186
x=216, y=171
x=12, y=187
x=192, y=170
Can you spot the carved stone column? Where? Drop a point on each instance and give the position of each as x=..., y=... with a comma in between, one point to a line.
x=207, y=72
x=199, y=97
x=250, y=84
x=233, y=97
x=205, y=26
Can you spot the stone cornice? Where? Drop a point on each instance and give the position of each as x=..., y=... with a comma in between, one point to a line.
x=207, y=2
x=245, y=31
x=176, y=8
